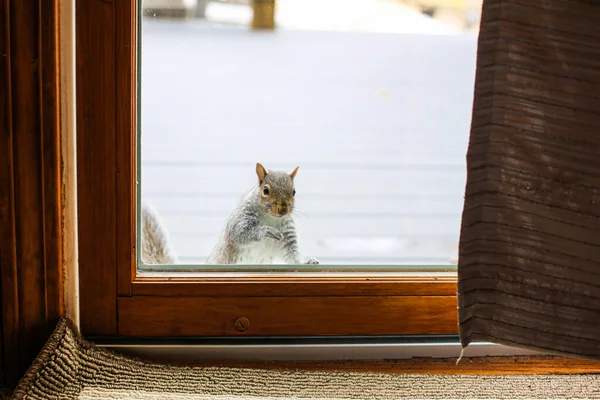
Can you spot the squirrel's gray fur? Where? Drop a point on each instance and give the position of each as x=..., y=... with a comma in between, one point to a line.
x=155, y=241
x=261, y=230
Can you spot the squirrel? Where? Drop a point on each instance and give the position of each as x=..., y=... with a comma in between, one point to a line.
x=261, y=229
x=155, y=242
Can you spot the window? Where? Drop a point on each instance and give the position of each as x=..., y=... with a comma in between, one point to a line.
x=352, y=295
x=360, y=104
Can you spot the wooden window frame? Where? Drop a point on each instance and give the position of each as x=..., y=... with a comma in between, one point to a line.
x=116, y=302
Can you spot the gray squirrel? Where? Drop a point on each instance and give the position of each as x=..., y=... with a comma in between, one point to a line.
x=155, y=242
x=261, y=230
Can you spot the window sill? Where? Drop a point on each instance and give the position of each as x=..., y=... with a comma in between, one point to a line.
x=257, y=353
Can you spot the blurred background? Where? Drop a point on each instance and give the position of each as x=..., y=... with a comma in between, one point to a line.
x=371, y=98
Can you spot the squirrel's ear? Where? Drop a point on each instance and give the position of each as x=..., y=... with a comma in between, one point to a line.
x=293, y=173
x=261, y=172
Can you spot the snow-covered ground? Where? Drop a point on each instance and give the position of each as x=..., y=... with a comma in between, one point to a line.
x=336, y=15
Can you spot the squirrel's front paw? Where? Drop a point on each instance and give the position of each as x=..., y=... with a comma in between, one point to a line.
x=312, y=261
x=273, y=233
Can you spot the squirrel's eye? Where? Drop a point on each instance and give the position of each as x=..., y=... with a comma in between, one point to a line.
x=294, y=192
x=266, y=190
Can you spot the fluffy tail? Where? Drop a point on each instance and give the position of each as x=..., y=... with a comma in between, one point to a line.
x=155, y=241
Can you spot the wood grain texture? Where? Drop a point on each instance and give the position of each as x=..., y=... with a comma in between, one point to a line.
x=51, y=157
x=291, y=287
x=287, y=316
x=474, y=365
x=126, y=120
x=96, y=165
x=530, y=239
x=8, y=253
x=30, y=189
x=68, y=133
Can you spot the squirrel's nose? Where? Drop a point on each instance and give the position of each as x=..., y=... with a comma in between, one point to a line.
x=283, y=211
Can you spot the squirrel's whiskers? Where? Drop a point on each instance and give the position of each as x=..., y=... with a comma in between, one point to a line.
x=297, y=211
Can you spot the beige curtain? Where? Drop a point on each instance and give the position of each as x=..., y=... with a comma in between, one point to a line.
x=529, y=266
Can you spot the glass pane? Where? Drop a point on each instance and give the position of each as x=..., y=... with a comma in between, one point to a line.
x=371, y=99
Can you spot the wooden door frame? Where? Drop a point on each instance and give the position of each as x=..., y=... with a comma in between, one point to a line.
x=32, y=196
x=115, y=301
x=106, y=126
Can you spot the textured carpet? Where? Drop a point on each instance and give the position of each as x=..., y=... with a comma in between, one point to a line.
x=69, y=367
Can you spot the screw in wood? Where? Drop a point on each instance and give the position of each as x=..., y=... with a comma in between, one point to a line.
x=242, y=324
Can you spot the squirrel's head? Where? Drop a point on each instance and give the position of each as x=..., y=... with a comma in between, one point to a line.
x=276, y=190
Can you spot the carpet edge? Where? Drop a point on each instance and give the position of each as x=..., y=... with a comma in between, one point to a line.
x=64, y=325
